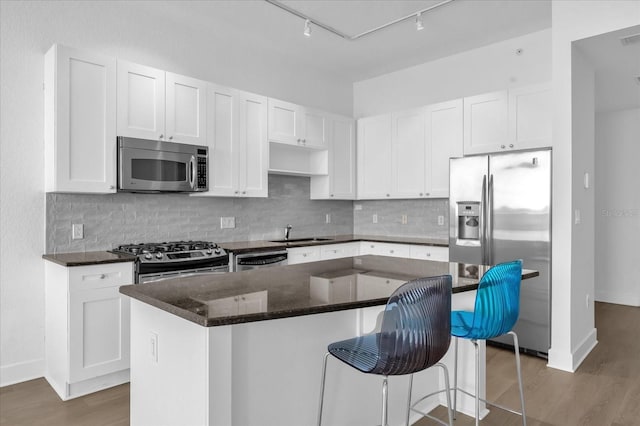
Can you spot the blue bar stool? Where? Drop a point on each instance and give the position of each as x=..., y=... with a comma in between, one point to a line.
x=496, y=311
x=415, y=335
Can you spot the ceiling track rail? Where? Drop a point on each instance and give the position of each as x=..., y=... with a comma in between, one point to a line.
x=357, y=36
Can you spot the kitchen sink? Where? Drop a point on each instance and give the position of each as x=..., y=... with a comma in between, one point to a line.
x=300, y=240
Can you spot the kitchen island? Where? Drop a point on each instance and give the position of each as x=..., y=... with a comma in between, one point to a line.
x=246, y=348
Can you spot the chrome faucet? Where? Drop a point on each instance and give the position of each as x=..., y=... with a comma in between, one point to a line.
x=287, y=231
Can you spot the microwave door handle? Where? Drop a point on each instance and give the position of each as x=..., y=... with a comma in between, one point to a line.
x=192, y=172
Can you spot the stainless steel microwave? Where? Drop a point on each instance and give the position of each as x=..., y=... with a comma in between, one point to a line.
x=157, y=166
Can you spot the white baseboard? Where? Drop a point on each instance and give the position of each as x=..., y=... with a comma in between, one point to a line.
x=584, y=348
x=21, y=372
x=618, y=298
x=571, y=361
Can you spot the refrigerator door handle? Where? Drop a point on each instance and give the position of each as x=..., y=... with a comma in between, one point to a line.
x=489, y=235
x=483, y=221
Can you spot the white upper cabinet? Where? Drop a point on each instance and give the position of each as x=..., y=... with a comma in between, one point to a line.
x=508, y=120
x=443, y=139
x=80, y=121
x=159, y=105
x=485, y=123
x=237, y=140
x=530, y=120
x=373, y=157
x=406, y=154
x=408, y=161
x=186, y=101
x=340, y=183
x=297, y=125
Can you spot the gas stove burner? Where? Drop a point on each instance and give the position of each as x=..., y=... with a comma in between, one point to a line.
x=174, y=251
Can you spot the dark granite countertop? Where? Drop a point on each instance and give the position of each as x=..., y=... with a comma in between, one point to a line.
x=88, y=258
x=294, y=290
x=238, y=247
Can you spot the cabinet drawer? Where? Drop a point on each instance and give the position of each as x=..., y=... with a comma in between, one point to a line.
x=100, y=276
x=385, y=249
x=303, y=255
x=430, y=253
x=336, y=251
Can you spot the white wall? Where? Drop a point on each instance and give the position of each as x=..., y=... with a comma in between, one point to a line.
x=142, y=32
x=617, y=207
x=489, y=68
x=573, y=333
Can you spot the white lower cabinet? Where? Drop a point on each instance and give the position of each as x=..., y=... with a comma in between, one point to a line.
x=385, y=249
x=303, y=255
x=440, y=254
x=87, y=327
x=336, y=251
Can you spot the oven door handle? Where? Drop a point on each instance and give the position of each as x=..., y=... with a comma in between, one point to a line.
x=187, y=275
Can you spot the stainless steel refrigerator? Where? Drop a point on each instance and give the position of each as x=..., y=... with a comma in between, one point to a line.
x=500, y=210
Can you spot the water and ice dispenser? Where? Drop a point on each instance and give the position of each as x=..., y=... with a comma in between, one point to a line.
x=468, y=222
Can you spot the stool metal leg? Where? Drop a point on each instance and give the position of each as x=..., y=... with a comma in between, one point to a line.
x=455, y=377
x=385, y=400
x=477, y=349
x=409, y=399
x=516, y=348
x=447, y=390
x=324, y=376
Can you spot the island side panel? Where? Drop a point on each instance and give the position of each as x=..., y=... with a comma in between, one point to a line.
x=169, y=369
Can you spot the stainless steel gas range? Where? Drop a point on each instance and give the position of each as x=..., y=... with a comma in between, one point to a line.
x=161, y=261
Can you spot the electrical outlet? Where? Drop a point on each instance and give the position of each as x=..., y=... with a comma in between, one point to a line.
x=327, y=218
x=227, y=222
x=357, y=206
x=77, y=231
x=576, y=217
x=404, y=219
x=440, y=220
x=375, y=218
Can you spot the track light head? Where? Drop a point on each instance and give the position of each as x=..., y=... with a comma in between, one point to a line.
x=307, y=28
x=419, y=26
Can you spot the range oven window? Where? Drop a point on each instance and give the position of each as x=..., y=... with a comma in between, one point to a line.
x=158, y=170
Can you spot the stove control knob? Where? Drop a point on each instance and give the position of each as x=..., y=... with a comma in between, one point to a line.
x=158, y=255
x=217, y=251
x=147, y=256
x=209, y=251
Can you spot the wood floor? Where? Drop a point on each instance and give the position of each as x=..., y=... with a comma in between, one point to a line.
x=605, y=391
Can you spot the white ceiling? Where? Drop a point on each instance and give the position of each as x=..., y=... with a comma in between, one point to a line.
x=455, y=27
x=616, y=69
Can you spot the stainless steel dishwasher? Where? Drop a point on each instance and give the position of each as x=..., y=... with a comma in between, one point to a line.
x=260, y=259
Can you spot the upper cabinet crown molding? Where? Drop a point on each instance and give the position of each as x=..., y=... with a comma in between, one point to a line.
x=79, y=121
x=158, y=105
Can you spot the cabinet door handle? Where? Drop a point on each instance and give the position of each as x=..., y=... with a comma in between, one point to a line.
x=243, y=298
x=388, y=195
x=244, y=192
x=112, y=187
x=236, y=192
x=390, y=251
x=421, y=194
x=428, y=254
x=103, y=276
x=170, y=137
x=426, y=194
x=502, y=146
x=161, y=136
x=510, y=145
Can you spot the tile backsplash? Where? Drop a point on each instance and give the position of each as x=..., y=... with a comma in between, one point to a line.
x=122, y=218
x=421, y=215
x=111, y=220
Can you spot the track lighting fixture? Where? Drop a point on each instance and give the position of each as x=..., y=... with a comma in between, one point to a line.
x=419, y=26
x=307, y=28
x=308, y=20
